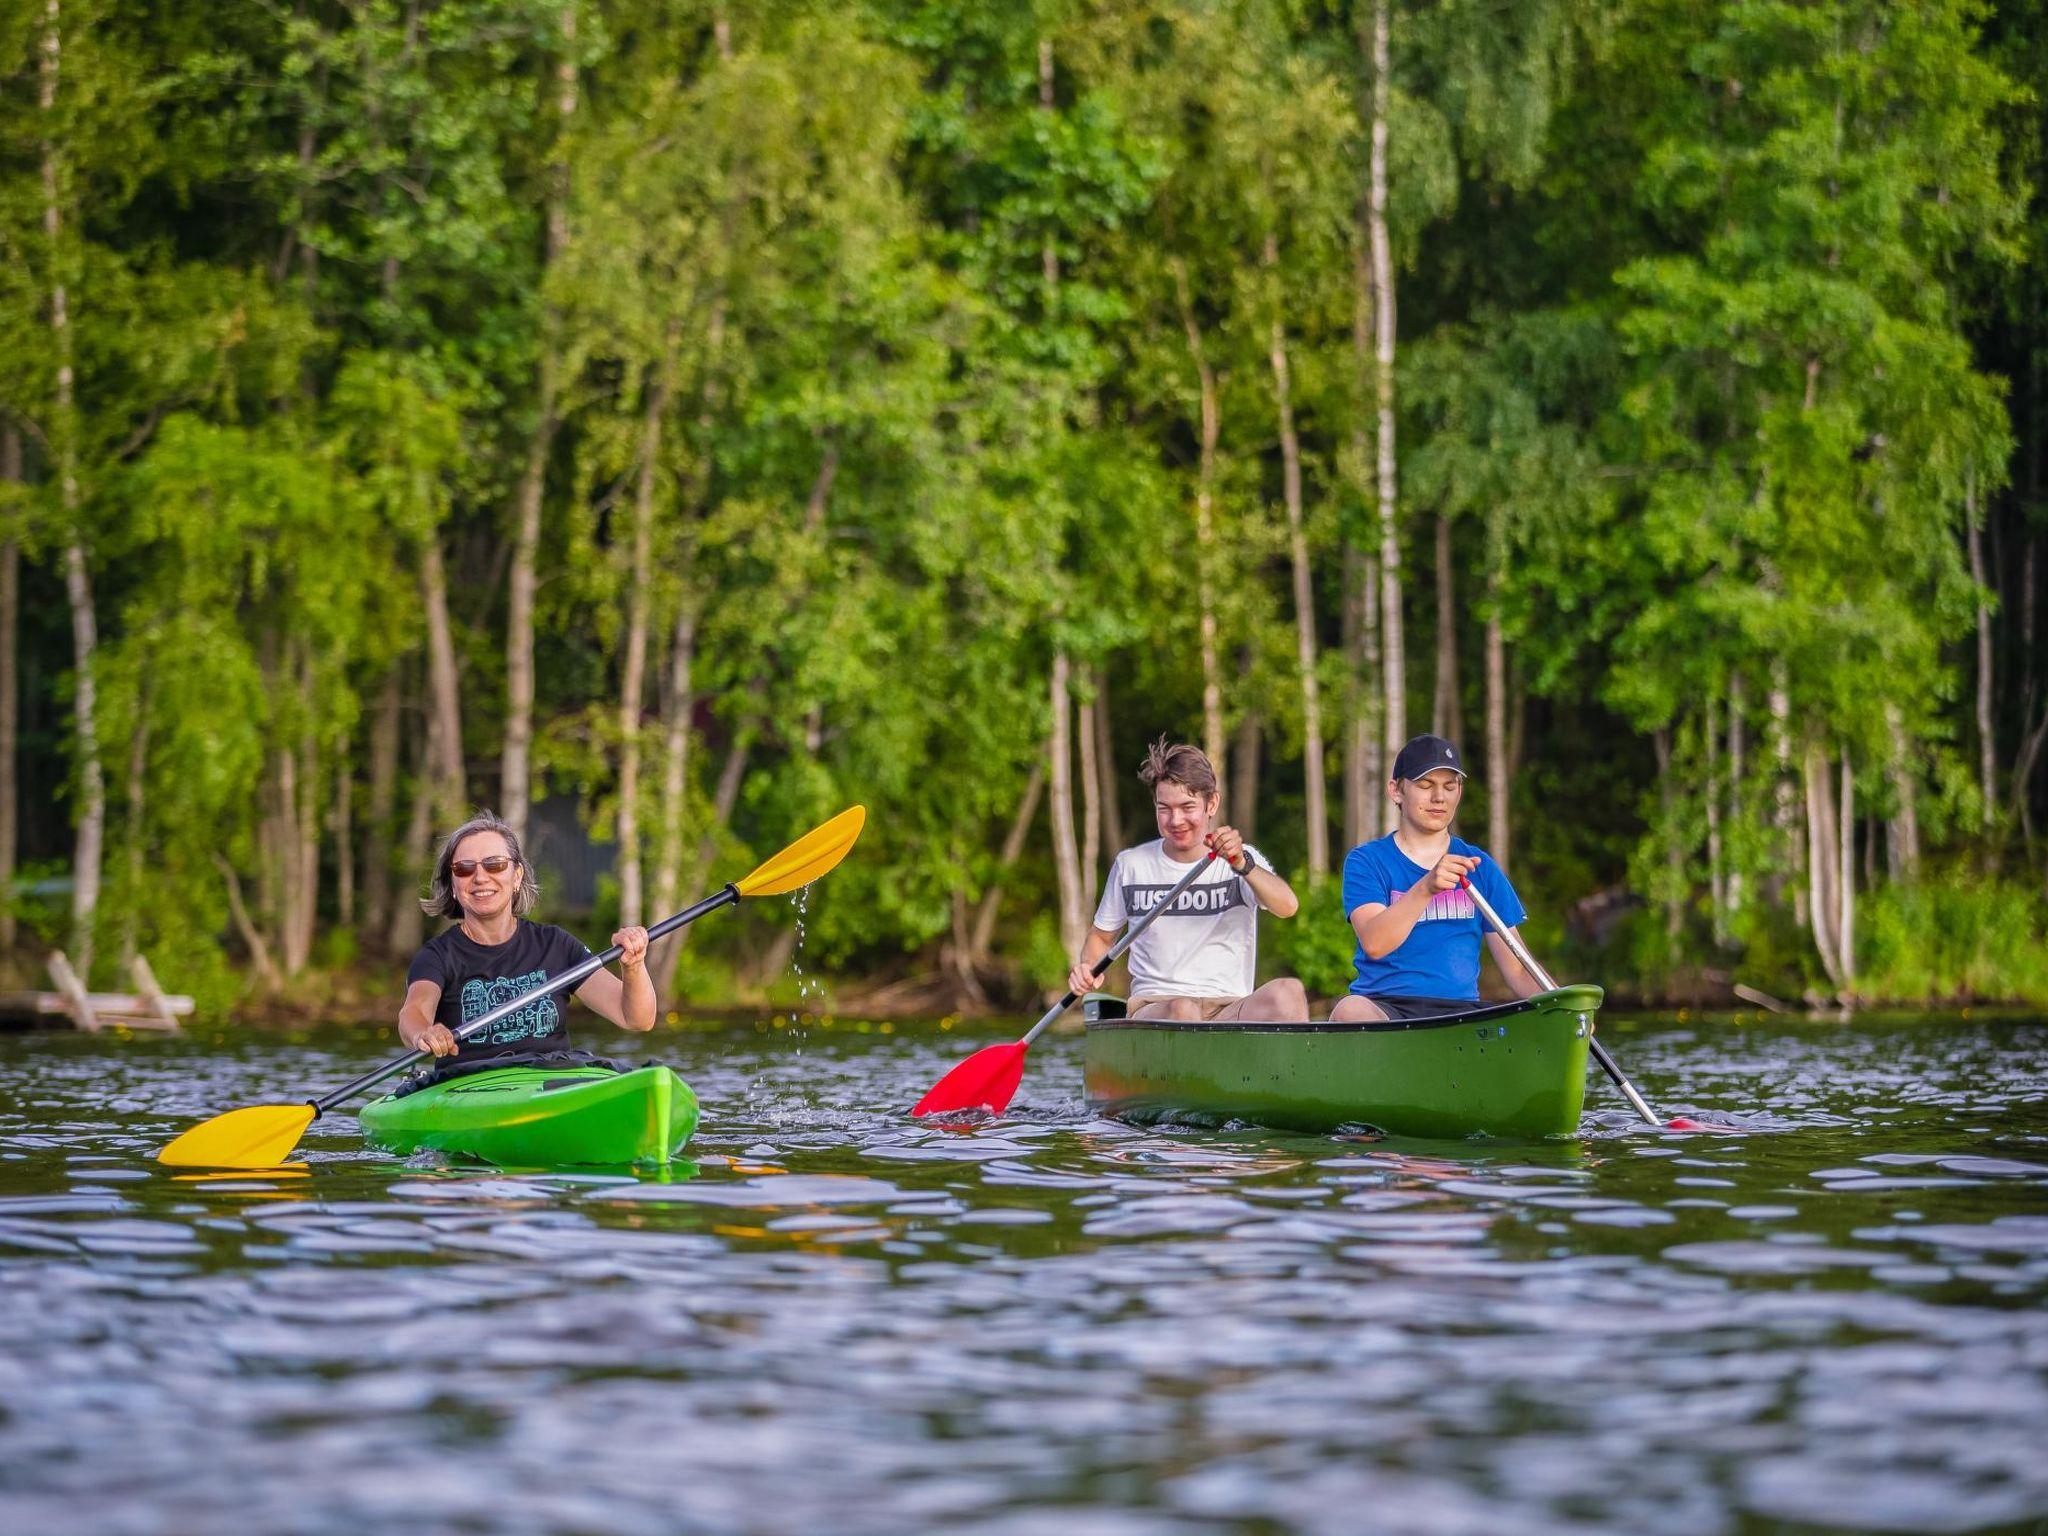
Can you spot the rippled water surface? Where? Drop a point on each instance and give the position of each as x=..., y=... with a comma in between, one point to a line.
x=840, y=1320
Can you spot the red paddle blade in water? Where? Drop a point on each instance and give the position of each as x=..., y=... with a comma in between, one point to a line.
x=985, y=1080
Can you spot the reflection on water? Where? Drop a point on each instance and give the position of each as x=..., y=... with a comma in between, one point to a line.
x=835, y=1319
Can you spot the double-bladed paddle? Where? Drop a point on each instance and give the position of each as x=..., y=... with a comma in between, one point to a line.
x=1600, y=1053
x=262, y=1135
x=988, y=1078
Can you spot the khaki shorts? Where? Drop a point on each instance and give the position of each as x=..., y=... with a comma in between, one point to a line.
x=1206, y=1008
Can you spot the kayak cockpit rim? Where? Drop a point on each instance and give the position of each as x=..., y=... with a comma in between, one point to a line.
x=1105, y=1012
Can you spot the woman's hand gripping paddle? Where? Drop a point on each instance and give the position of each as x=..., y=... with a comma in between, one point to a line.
x=263, y=1135
x=988, y=1079
x=1600, y=1053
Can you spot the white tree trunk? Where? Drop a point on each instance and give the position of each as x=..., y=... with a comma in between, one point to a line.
x=91, y=803
x=1066, y=856
x=633, y=681
x=1395, y=719
x=10, y=692
x=1717, y=878
x=1316, y=809
x=1499, y=786
x=1205, y=528
x=1902, y=840
x=1091, y=797
x=1987, y=746
x=515, y=791
x=1845, y=879
x=1822, y=868
x=444, y=767
x=1738, y=743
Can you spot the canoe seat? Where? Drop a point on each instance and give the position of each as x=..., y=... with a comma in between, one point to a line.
x=1097, y=1006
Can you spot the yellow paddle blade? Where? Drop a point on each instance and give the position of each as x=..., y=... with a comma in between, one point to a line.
x=816, y=853
x=261, y=1136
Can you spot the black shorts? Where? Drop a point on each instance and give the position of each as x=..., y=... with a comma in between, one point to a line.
x=1422, y=1007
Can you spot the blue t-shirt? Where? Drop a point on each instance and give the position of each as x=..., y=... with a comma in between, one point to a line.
x=1440, y=956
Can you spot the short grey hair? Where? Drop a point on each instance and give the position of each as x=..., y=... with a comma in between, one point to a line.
x=441, y=900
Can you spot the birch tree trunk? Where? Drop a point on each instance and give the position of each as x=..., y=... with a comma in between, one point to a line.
x=1316, y=808
x=1717, y=885
x=1738, y=796
x=1395, y=718
x=63, y=435
x=1091, y=797
x=515, y=789
x=1845, y=878
x=1902, y=840
x=633, y=684
x=1987, y=747
x=10, y=692
x=1822, y=867
x=1205, y=527
x=1499, y=777
x=444, y=767
x=137, y=832
x=1785, y=867
x=1443, y=712
x=1066, y=856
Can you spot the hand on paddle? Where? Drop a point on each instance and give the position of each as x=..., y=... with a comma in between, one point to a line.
x=1083, y=978
x=436, y=1040
x=1450, y=871
x=632, y=944
x=1229, y=845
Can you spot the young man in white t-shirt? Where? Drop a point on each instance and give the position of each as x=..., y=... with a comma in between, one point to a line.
x=1197, y=962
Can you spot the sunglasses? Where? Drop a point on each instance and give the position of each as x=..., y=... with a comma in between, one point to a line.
x=496, y=864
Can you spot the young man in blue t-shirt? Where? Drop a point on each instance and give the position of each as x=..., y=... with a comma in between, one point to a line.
x=1418, y=931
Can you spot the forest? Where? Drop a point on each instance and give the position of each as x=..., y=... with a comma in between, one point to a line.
x=682, y=420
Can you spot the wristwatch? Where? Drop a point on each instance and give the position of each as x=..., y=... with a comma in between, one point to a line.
x=1248, y=866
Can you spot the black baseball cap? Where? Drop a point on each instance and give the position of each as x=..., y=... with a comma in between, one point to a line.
x=1426, y=754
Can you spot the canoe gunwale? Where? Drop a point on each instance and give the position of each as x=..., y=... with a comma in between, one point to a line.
x=1562, y=999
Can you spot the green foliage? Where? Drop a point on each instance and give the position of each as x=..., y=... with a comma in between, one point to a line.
x=883, y=319
x=1953, y=938
x=1316, y=944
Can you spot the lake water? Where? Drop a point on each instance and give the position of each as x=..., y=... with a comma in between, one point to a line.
x=839, y=1320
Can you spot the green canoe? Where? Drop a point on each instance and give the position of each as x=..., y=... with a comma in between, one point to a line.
x=1514, y=1069
x=542, y=1117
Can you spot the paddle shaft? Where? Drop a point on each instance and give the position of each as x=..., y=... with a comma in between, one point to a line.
x=1521, y=952
x=569, y=978
x=1130, y=937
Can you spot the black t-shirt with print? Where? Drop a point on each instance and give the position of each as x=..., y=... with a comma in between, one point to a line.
x=475, y=978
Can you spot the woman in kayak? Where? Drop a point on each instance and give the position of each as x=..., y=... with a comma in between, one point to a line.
x=493, y=954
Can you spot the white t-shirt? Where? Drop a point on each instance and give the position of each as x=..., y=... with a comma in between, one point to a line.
x=1205, y=945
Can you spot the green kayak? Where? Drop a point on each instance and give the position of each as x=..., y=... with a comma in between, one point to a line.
x=542, y=1117
x=1515, y=1069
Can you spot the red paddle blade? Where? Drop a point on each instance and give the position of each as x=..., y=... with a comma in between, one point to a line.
x=985, y=1080
x=1686, y=1123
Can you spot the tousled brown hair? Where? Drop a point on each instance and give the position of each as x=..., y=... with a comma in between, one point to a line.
x=1173, y=762
x=441, y=900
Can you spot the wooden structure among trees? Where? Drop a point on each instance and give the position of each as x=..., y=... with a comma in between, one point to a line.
x=147, y=1007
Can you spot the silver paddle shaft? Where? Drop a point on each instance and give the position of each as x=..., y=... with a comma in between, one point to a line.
x=1521, y=952
x=1130, y=937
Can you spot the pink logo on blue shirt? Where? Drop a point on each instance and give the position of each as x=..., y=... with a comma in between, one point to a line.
x=1444, y=906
